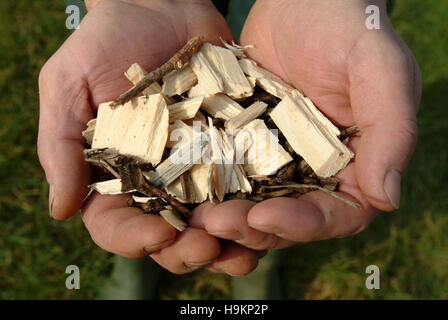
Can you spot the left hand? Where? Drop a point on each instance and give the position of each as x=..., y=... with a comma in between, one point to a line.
x=355, y=76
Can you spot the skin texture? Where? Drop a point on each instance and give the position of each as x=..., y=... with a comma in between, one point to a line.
x=354, y=75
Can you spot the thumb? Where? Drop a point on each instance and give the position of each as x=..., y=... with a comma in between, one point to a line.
x=384, y=94
x=64, y=111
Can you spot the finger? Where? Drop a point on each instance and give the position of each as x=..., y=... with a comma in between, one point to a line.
x=228, y=220
x=126, y=231
x=64, y=111
x=193, y=249
x=235, y=260
x=383, y=97
x=315, y=215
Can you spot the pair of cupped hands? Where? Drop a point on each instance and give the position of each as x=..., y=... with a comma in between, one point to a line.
x=322, y=47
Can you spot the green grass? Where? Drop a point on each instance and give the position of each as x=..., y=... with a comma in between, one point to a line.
x=410, y=246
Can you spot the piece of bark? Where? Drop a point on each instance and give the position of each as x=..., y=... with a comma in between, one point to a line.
x=185, y=109
x=89, y=132
x=347, y=132
x=174, y=219
x=136, y=73
x=247, y=115
x=179, y=81
x=263, y=155
x=266, y=79
x=138, y=129
x=177, y=62
x=309, y=138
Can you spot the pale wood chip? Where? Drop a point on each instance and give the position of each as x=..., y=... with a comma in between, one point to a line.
x=185, y=109
x=259, y=149
x=247, y=115
x=138, y=129
x=310, y=137
x=179, y=81
x=174, y=219
x=266, y=79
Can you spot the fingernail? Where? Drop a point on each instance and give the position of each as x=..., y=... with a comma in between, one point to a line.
x=197, y=265
x=229, y=235
x=266, y=228
x=51, y=200
x=392, y=187
x=156, y=247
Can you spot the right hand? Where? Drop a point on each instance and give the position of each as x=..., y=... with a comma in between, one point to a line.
x=88, y=70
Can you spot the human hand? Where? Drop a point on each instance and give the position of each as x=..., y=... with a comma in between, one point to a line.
x=88, y=70
x=355, y=76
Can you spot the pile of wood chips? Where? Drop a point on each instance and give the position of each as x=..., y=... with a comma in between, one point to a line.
x=199, y=127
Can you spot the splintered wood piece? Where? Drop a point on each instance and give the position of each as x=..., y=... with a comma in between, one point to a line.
x=239, y=181
x=179, y=81
x=179, y=133
x=89, y=132
x=261, y=149
x=110, y=187
x=198, y=118
x=136, y=73
x=297, y=96
x=175, y=189
x=265, y=79
x=176, y=62
x=138, y=129
x=185, y=109
x=226, y=68
x=221, y=106
x=143, y=199
x=219, y=172
x=309, y=138
x=234, y=177
x=200, y=179
x=179, y=161
x=174, y=219
x=236, y=49
x=247, y=115
x=209, y=79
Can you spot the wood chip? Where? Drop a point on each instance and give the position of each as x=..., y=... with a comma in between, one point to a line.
x=179, y=81
x=89, y=132
x=180, y=161
x=264, y=154
x=111, y=187
x=174, y=219
x=247, y=115
x=310, y=138
x=221, y=106
x=185, y=109
x=138, y=129
x=265, y=79
x=200, y=176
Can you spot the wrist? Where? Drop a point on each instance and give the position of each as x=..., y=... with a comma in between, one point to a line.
x=90, y=4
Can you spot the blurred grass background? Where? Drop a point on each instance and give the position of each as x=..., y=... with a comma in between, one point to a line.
x=410, y=246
